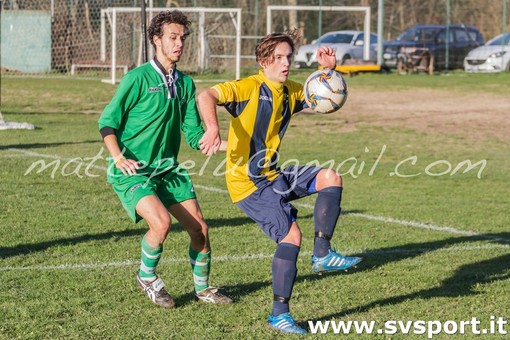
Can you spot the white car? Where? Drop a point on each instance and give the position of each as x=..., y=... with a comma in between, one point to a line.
x=347, y=44
x=494, y=56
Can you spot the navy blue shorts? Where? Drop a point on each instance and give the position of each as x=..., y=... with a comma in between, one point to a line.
x=269, y=205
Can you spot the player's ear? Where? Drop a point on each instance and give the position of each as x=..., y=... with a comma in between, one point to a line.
x=156, y=40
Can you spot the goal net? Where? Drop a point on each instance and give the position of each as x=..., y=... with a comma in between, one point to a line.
x=213, y=46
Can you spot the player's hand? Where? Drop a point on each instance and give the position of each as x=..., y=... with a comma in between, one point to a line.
x=210, y=142
x=127, y=166
x=326, y=56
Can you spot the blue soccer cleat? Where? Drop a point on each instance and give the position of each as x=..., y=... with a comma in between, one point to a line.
x=284, y=323
x=333, y=261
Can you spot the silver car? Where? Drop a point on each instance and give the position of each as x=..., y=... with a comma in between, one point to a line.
x=494, y=56
x=347, y=44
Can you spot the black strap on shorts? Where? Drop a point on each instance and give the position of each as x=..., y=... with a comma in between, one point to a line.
x=281, y=299
x=320, y=234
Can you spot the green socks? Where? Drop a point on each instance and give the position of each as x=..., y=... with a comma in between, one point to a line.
x=150, y=259
x=201, y=266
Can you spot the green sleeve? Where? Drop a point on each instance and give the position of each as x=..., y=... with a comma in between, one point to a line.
x=123, y=100
x=191, y=122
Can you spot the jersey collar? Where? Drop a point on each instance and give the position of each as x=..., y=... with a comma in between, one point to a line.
x=169, y=78
x=272, y=84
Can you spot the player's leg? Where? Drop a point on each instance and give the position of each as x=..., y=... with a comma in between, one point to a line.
x=152, y=210
x=180, y=198
x=277, y=219
x=190, y=216
x=284, y=270
x=307, y=180
x=328, y=185
x=139, y=199
x=327, y=210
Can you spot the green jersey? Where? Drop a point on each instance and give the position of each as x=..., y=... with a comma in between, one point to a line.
x=148, y=113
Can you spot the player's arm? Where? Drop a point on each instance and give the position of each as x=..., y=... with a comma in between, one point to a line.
x=211, y=141
x=110, y=120
x=326, y=56
x=192, y=123
x=127, y=166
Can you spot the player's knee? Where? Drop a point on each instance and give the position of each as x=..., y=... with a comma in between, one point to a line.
x=328, y=178
x=293, y=236
x=160, y=226
x=338, y=180
x=198, y=232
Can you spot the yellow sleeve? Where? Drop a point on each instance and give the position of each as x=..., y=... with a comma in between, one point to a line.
x=226, y=92
x=235, y=95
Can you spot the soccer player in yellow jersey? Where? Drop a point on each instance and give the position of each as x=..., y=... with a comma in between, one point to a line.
x=261, y=107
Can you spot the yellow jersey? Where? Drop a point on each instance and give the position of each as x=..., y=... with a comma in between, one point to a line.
x=260, y=112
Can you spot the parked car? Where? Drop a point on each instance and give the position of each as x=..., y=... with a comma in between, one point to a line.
x=347, y=44
x=423, y=47
x=494, y=56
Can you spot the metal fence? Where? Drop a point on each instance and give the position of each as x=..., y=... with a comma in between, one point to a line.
x=50, y=36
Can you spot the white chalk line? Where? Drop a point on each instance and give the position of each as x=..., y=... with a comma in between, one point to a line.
x=247, y=257
x=267, y=256
x=413, y=224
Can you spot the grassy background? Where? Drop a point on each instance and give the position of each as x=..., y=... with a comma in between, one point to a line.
x=69, y=253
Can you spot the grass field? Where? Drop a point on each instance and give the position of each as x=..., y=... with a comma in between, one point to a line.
x=425, y=161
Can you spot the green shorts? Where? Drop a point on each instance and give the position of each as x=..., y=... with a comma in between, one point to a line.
x=172, y=187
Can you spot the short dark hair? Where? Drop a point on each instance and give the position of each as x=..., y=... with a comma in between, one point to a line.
x=167, y=17
x=264, y=52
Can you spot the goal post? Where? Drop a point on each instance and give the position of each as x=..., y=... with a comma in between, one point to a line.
x=366, y=21
x=121, y=38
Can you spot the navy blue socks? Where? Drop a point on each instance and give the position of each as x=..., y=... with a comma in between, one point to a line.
x=326, y=212
x=284, y=273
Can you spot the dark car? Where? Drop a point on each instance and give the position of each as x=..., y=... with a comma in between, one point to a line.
x=423, y=47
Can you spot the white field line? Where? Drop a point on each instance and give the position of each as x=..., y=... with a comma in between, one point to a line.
x=450, y=230
x=74, y=160
x=229, y=258
x=413, y=224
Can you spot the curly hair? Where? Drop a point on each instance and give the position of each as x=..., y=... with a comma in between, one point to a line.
x=264, y=52
x=167, y=17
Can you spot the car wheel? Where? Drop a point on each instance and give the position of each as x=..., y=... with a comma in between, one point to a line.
x=508, y=67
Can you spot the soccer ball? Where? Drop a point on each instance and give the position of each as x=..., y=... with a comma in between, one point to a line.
x=325, y=91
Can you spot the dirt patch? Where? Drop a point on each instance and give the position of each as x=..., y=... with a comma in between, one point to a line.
x=341, y=123
x=479, y=116
x=474, y=117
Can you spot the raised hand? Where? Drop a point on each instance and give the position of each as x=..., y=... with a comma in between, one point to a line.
x=326, y=56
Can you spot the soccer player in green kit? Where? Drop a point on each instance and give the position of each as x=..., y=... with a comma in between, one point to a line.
x=141, y=127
